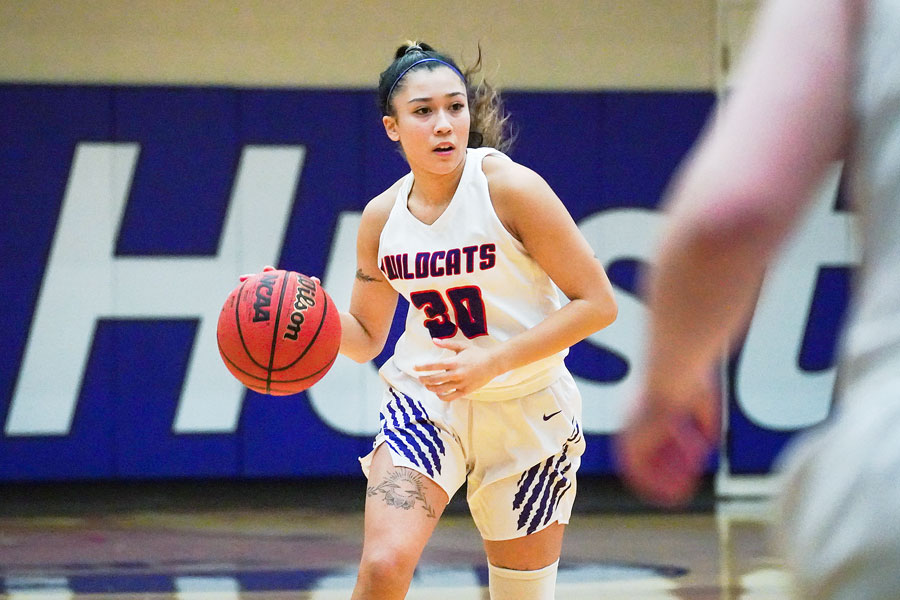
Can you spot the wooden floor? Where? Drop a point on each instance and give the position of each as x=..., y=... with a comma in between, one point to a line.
x=265, y=540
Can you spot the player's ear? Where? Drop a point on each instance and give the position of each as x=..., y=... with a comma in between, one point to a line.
x=390, y=127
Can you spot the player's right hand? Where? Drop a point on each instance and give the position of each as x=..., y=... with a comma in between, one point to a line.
x=247, y=276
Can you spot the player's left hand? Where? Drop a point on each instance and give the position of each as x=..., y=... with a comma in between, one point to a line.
x=454, y=377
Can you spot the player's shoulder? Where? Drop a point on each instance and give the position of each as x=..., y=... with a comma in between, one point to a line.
x=514, y=189
x=518, y=194
x=507, y=177
x=378, y=209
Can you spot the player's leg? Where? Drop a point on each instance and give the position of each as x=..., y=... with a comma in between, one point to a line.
x=522, y=521
x=525, y=568
x=402, y=509
x=523, y=486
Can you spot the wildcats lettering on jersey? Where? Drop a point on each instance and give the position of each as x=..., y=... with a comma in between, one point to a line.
x=440, y=263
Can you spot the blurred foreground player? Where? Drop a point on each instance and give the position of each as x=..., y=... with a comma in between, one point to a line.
x=820, y=83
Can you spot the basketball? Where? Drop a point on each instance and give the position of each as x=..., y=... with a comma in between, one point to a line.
x=278, y=332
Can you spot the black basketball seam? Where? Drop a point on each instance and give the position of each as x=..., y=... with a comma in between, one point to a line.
x=237, y=367
x=284, y=282
x=252, y=376
x=237, y=320
x=330, y=362
x=316, y=335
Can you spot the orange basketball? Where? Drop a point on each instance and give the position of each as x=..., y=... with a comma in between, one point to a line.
x=279, y=332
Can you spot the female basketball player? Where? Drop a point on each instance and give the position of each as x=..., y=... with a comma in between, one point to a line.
x=476, y=389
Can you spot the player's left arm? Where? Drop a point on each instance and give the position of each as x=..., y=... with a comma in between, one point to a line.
x=535, y=215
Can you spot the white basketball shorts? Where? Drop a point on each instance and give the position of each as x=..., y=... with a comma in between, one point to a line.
x=518, y=456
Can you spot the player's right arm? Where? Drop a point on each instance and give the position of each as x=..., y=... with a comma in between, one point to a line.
x=366, y=325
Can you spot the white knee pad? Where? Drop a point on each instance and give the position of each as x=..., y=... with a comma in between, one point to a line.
x=509, y=584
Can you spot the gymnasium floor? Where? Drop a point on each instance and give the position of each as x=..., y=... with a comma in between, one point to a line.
x=280, y=540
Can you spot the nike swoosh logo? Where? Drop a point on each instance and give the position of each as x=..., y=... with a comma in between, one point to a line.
x=551, y=415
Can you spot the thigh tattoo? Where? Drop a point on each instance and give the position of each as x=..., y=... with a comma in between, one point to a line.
x=403, y=488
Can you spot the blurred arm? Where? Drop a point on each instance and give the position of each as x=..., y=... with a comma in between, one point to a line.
x=730, y=208
x=748, y=182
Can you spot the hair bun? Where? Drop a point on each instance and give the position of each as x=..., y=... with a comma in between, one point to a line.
x=411, y=46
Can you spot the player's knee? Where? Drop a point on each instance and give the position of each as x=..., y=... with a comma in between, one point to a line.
x=509, y=584
x=389, y=565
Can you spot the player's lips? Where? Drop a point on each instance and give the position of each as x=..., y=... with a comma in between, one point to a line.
x=444, y=148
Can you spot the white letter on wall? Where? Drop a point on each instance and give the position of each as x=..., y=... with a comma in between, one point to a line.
x=85, y=281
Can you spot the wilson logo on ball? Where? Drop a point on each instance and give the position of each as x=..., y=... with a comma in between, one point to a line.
x=305, y=298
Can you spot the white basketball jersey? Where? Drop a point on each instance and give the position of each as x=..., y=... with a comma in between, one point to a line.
x=465, y=277
x=873, y=338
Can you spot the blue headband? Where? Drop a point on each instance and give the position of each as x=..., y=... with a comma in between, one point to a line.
x=419, y=62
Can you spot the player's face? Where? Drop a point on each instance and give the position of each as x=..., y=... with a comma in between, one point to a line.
x=431, y=119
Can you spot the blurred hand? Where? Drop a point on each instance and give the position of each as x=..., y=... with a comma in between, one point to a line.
x=665, y=443
x=457, y=376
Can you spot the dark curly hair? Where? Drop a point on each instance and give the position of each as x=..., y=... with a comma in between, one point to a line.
x=489, y=121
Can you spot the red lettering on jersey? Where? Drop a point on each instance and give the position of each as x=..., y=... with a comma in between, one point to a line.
x=488, y=256
x=470, y=251
x=440, y=263
x=388, y=266
x=452, y=262
x=403, y=266
x=436, y=271
x=422, y=264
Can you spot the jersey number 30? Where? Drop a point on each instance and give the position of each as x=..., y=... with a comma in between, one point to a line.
x=468, y=311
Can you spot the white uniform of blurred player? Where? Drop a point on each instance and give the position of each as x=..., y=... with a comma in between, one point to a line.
x=841, y=498
x=820, y=83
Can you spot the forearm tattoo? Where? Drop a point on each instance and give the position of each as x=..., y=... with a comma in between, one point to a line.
x=403, y=488
x=363, y=277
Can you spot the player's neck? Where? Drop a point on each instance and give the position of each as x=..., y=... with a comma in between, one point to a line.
x=435, y=189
